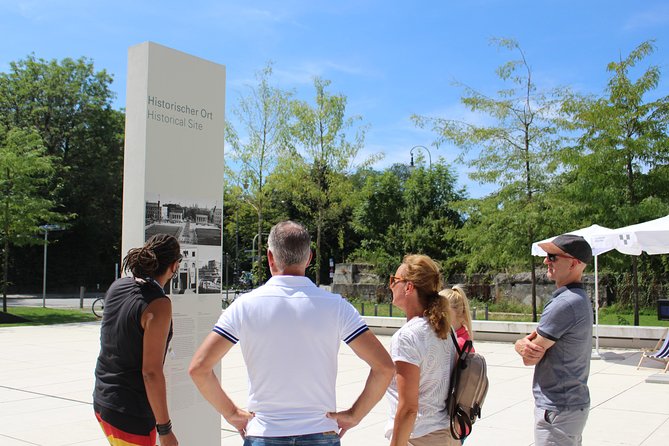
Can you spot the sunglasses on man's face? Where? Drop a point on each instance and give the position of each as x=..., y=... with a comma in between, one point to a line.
x=553, y=257
x=395, y=279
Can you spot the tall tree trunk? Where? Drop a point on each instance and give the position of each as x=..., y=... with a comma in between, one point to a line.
x=530, y=227
x=632, y=201
x=235, y=275
x=5, y=275
x=635, y=290
x=5, y=251
x=534, y=288
x=259, y=270
x=317, y=264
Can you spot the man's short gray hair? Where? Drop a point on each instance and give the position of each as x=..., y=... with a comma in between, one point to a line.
x=290, y=243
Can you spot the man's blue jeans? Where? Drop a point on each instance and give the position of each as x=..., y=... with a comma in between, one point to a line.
x=324, y=439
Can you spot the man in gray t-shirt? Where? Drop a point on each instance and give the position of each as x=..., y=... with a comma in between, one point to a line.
x=560, y=347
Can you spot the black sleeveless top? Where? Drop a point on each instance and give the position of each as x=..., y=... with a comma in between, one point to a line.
x=119, y=384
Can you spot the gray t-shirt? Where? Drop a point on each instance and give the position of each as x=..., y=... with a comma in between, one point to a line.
x=561, y=377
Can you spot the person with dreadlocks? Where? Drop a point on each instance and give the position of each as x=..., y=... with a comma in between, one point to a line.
x=424, y=357
x=130, y=398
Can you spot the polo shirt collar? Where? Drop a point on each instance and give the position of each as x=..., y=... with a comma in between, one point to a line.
x=290, y=281
x=569, y=286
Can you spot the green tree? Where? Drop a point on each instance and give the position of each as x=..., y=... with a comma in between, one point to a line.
x=25, y=171
x=623, y=148
x=263, y=115
x=409, y=212
x=617, y=170
x=69, y=104
x=382, y=196
x=514, y=152
x=317, y=169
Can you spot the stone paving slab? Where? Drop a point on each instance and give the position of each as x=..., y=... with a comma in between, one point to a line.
x=46, y=381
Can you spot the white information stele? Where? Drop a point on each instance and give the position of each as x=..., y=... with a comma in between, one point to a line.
x=173, y=183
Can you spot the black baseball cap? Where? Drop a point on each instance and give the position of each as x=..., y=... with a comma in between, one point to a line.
x=573, y=245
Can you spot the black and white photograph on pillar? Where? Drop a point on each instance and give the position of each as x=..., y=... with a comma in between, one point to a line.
x=197, y=226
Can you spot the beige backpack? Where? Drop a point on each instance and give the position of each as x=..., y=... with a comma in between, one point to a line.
x=468, y=389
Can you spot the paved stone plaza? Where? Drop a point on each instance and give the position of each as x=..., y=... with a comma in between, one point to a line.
x=46, y=380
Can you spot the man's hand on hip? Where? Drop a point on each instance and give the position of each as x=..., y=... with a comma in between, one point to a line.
x=239, y=419
x=345, y=420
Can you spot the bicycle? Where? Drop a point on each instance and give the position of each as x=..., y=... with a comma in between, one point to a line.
x=227, y=300
x=98, y=306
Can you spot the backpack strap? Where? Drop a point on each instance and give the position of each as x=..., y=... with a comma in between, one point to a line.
x=466, y=347
x=455, y=341
x=462, y=421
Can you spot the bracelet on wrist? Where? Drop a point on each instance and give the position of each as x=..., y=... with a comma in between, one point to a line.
x=164, y=429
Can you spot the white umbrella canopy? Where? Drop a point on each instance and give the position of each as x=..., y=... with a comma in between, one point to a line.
x=650, y=236
x=601, y=240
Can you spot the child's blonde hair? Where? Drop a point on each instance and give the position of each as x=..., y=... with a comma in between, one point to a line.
x=457, y=300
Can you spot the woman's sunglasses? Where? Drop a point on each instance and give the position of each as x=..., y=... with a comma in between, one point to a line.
x=394, y=279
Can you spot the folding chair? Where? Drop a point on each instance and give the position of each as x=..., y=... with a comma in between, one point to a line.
x=659, y=353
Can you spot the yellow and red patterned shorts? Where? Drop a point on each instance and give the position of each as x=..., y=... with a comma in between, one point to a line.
x=129, y=431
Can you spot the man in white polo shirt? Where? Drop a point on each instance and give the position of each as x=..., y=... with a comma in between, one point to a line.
x=289, y=331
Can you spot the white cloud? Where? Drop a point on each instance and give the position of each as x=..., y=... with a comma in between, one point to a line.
x=305, y=72
x=458, y=112
x=46, y=10
x=658, y=16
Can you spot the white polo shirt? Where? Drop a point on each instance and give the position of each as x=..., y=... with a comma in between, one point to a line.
x=290, y=331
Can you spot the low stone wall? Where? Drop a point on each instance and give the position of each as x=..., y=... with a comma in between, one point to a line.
x=358, y=280
x=616, y=336
x=518, y=287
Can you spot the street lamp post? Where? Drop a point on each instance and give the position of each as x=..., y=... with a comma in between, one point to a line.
x=235, y=273
x=46, y=229
x=259, y=234
x=253, y=250
x=428, y=154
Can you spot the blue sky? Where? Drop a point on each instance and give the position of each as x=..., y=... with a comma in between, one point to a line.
x=390, y=58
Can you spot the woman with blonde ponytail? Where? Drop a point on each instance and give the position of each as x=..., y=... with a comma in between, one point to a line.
x=423, y=356
x=459, y=314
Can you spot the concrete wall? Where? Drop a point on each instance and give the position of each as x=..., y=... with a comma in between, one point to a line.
x=615, y=336
x=357, y=280
x=518, y=287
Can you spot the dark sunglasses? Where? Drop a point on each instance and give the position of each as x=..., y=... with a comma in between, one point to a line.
x=395, y=279
x=180, y=259
x=553, y=257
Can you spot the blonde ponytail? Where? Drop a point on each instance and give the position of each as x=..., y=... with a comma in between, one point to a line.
x=457, y=300
x=437, y=315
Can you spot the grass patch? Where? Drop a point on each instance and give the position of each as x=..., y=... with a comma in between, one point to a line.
x=505, y=306
x=507, y=317
x=382, y=309
x=615, y=315
x=49, y=316
x=515, y=312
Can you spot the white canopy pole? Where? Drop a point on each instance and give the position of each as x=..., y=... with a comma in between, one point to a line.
x=595, y=354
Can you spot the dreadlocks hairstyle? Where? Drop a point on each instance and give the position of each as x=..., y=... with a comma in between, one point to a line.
x=153, y=259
